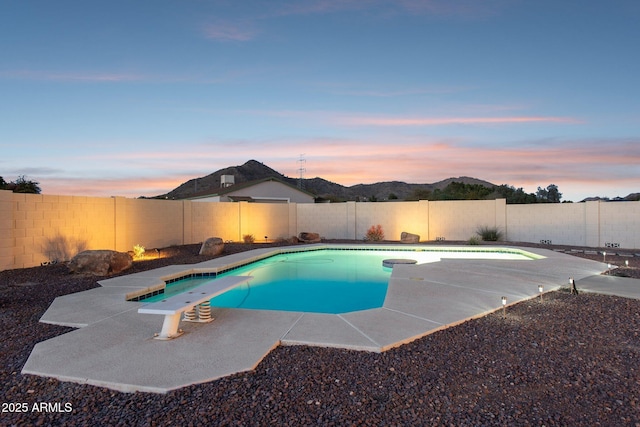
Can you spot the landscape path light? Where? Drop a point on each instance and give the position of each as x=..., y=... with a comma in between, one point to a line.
x=572, y=286
x=504, y=307
x=626, y=263
x=540, y=289
x=604, y=256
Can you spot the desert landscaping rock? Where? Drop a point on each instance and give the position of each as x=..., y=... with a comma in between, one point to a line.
x=409, y=237
x=566, y=361
x=306, y=237
x=100, y=262
x=213, y=246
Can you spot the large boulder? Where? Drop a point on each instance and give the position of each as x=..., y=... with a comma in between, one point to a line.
x=409, y=237
x=213, y=246
x=306, y=237
x=100, y=262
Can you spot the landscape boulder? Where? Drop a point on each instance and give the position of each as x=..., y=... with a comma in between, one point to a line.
x=409, y=237
x=100, y=262
x=306, y=237
x=213, y=246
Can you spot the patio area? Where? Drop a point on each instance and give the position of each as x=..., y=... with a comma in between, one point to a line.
x=114, y=348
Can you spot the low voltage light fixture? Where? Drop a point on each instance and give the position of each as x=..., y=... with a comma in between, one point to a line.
x=626, y=263
x=572, y=286
x=540, y=289
x=504, y=307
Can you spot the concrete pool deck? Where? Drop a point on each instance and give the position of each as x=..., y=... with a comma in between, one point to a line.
x=114, y=345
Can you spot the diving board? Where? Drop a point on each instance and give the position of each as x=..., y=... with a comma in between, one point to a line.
x=173, y=307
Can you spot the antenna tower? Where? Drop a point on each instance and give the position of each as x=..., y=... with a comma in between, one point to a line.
x=302, y=163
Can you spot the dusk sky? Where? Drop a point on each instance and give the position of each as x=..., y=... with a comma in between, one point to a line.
x=133, y=98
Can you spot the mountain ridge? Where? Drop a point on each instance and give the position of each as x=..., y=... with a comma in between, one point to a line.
x=321, y=188
x=254, y=170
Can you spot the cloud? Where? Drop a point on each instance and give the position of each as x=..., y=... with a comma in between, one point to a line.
x=461, y=8
x=470, y=9
x=228, y=31
x=608, y=166
x=444, y=121
x=70, y=76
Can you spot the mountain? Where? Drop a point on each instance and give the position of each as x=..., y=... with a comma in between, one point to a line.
x=254, y=170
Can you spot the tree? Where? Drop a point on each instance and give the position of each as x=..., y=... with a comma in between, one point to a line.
x=549, y=194
x=3, y=184
x=515, y=196
x=419, y=194
x=22, y=185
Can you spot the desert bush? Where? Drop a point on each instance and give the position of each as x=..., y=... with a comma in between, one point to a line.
x=248, y=238
x=375, y=233
x=489, y=234
x=138, y=251
x=474, y=240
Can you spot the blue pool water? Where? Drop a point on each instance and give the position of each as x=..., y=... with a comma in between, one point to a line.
x=320, y=281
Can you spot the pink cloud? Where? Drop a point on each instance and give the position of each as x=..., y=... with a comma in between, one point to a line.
x=571, y=164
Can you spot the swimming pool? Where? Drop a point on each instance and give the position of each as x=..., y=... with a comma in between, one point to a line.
x=327, y=280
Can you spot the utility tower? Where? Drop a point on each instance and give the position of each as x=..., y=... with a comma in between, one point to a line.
x=302, y=163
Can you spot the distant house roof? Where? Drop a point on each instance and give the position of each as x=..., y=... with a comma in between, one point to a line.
x=243, y=185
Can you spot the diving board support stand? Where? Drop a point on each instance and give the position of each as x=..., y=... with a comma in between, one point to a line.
x=186, y=302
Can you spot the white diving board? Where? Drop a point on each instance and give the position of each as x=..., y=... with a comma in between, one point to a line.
x=173, y=307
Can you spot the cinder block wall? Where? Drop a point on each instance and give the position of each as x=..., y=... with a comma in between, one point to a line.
x=330, y=220
x=619, y=224
x=54, y=228
x=460, y=219
x=562, y=224
x=39, y=228
x=7, y=230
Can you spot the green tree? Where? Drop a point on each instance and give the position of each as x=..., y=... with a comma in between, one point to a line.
x=549, y=194
x=3, y=184
x=419, y=194
x=22, y=185
x=515, y=195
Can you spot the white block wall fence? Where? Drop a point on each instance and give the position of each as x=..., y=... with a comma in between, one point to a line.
x=36, y=228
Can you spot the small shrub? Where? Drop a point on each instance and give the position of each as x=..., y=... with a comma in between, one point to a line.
x=138, y=251
x=248, y=238
x=489, y=234
x=474, y=240
x=375, y=233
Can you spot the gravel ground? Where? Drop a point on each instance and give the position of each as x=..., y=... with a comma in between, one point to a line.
x=567, y=361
